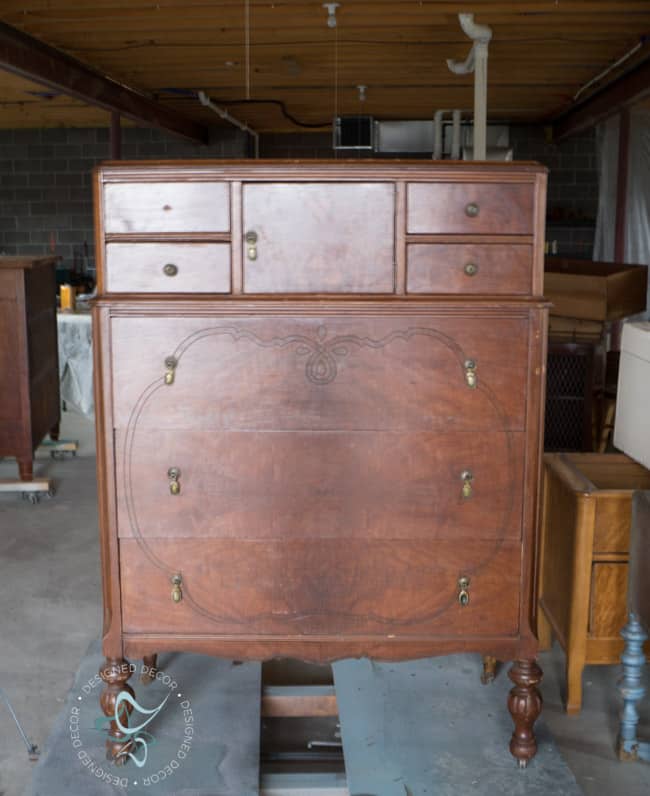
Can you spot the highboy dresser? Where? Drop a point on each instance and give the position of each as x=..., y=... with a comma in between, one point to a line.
x=320, y=391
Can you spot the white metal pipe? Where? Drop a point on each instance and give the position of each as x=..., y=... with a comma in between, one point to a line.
x=437, y=133
x=476, y=62
x=606, y=71
x=224, y=114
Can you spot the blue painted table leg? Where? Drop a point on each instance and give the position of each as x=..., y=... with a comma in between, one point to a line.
x=631, y=687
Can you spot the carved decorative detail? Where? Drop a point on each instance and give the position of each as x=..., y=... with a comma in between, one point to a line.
x=322, y=354
x=115, y=672
x=525, y=705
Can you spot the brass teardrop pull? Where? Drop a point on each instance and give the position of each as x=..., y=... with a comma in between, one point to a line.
x=463, y=591
x=251, y=244
x=470, y=373
x=467, y=477
x=174, y=486
x=177, y=592
x=170, y=369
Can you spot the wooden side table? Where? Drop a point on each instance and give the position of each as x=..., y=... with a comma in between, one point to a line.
x=584, y=553
x=29, y=387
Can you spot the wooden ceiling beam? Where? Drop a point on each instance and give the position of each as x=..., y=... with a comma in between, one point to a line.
x=627, y=90
x=32, y=59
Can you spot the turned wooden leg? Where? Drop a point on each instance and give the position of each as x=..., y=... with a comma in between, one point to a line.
x=54, y=431
x=631, y=687
x=489, y=669
x=525, y=705
x=26, y=469
x=115, y=672
x=544, y=630
x=149, y=664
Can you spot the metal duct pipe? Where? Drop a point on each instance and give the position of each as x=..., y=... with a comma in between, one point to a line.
x=438, y=137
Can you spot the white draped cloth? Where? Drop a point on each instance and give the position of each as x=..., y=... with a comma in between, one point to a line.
x=75, y=339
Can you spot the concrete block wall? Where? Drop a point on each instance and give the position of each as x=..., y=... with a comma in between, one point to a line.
x=45, y=182
x=572, y=186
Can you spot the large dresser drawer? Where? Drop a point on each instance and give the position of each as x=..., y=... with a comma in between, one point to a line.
x=470, y=208
x=320, y=587
x=377, y=485
x=168, y=267
x=469, y=268
x=167, y=207
x=345, y=372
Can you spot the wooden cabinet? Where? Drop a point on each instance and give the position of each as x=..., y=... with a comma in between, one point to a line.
x=29, y=387
x=584, y=558
x=340, y=456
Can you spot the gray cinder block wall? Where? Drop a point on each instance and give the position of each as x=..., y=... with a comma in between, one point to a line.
x=45, y=182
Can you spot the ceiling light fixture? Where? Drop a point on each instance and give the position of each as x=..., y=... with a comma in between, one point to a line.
x=331, y=13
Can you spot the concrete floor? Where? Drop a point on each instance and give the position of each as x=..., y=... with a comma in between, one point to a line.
x=50, y=611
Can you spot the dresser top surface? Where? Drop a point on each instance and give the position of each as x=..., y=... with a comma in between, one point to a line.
x=340, y=169
x=16, y=263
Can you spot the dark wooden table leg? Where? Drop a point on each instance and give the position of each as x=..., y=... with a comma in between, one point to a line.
x=149, y=664
x=115, y=672
x=525, y=705
x=26, y=469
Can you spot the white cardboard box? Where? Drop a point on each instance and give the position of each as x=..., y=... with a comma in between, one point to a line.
x=632, y=425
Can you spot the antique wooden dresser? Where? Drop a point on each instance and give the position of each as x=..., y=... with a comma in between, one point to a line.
x=320, y=393
x=29, y=360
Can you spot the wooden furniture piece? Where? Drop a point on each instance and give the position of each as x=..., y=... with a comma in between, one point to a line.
x=29, y=388
x=584, y=552
x=319, y=400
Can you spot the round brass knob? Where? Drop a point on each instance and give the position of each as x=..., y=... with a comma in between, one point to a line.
x=170, y=269
x=471, y=269
x=472, y=210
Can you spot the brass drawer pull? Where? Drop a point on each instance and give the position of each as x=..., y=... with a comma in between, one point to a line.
x=467, y=477
x=251, y=245
x=472, y=210
x=170, y=368
x=470, y=373
x=463, y=591
x=174, y=486
x=471, y=269
x=170, y=269
x=177, y=592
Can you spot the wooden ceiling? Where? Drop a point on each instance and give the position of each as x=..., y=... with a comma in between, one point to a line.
x=541, y=53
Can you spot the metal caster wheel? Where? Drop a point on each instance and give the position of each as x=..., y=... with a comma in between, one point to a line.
x=523, y=764
x=58, y=455
x=33, y=497
x=51, y=492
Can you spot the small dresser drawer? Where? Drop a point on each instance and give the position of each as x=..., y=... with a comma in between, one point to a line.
x=167, y=207
x=168, y=267
x=469, y=268
x=470, y=208
x=320, y=587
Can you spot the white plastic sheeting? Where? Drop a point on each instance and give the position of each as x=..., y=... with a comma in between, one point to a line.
x=637, y=221
x=76, y=362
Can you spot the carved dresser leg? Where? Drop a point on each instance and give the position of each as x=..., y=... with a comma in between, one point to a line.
x=631, y=687
x=489, y=669
x=149, y=664
x=525, y=705
x=55, y=431
x=115, y=672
